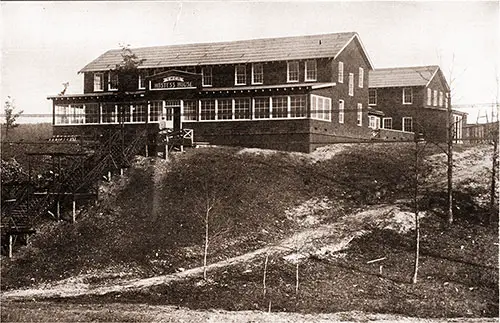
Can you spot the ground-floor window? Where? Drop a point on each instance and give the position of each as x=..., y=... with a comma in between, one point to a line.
x=70, y=113
x=298, y=107
x=373, y=122
x=108, y=113
x=407, y=124
x=321, y=107
x=261, y=108
x=139, y=112
x=279, y=106
x=190, y=108
x=387, y=123
x=242, y=109
x=155, y=110
x=92, y=113
x=207, y=109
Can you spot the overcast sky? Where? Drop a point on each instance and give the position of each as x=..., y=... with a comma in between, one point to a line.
x=44, y=44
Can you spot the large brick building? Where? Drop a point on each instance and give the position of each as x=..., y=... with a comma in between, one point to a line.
x=414, y=99
x=292, y=93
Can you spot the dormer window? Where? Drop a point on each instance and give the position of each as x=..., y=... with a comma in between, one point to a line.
x=98, y=82
x=311, y=70
x=257, y=73
x=206, y=76
x=112, y=81
x=292, y=71
x=240, y=75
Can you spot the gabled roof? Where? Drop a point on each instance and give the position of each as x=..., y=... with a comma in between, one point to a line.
x=234, y=52
x=402, y=76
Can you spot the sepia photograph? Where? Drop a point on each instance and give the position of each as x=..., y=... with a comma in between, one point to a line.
x=249, y=161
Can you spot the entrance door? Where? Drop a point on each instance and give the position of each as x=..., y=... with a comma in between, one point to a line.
x=172, y=113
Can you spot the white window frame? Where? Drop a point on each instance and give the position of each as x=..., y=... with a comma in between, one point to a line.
x=236, y=67
x=341, y=111
x=359, y=115
x=435, y=98
x=314, y=68
x=403, y=124
x=404, y=95
x=446, y=100
x=321, y=113
x=351, y=84
x=361, y=77
x=440, y=99
x=384, y=122
x=341, y=72
x=261, y=73
x=372, y=91
x=429, y=96
x=101, y=83
x=206, y=72
x=288, y=72
x=110, y=73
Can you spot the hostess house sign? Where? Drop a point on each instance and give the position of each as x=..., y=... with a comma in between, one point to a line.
x=174, y=80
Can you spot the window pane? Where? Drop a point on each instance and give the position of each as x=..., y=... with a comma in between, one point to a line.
x=207, y=76
x=372, y=97
x=298, y=107
x=341, y=111
x=258, y=74
x=242, y=108
x=155, y=110
x=207, y=111
x=293, y=71
x=98, y=81
x=224, y=109
x=77, y=113
x=311, y=72
x=280, y=107
x=241, y=77
x=92, y=113
x=261, y=108
x=341, y=72
x=190, y=109
x=108, y=113
x=138, y=113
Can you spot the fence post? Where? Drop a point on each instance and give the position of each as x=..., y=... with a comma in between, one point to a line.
x=74, y=210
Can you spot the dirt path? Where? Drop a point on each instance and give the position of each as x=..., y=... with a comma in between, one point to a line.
x=305, y=242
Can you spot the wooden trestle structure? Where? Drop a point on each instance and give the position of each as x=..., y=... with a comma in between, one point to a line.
x=74, y=178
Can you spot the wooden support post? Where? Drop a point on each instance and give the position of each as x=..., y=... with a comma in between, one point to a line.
x=74, y=211
x=10, y=245
x=182, y=148
x=121, y=171
x=109, y=176
x=58, y=210
x=146, y=149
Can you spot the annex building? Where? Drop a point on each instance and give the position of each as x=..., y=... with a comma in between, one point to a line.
x=291, y=93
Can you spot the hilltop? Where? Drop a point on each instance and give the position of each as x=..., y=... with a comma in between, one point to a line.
x=332, y=211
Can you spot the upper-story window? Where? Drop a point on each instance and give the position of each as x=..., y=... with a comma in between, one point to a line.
x=292, y=71
x=446, y=99
x=351, y=84
x=206, y=76
x=361, y=77
x=98, y=82
x=372, y=97
x=311, y=70
x=429, y=96
x=257, y=73
x=407, y=95
x=407, y=124
x=240, y=75
x=435, y=98
x=341, y=72
x=143, y=73
x=440, y=99
x=112, y=81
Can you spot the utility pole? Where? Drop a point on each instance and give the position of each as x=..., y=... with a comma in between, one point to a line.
x=449, y=153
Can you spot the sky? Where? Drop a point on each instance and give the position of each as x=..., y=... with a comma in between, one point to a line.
x=45, y=44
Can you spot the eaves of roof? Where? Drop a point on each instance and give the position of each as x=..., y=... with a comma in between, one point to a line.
x=402, y=76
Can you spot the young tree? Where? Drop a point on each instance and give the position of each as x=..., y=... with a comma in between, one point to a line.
x=10, y=115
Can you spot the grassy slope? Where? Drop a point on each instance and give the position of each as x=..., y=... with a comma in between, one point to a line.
x=148, y=229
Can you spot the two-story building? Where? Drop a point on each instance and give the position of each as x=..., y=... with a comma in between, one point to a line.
x=291, y=93
x=414, y=99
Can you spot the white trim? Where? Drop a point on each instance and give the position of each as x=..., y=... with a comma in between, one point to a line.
x=322, y=111
x=429, y=97
x=351, y=84
x=236, y=74
x=433, y=74
x=362, y=47
x=315, y=71
x=288, y=72
x=403, y=96
x=253, y=79
x=102, y=82
x=340, y=79
x=383, y=123
x=359, y=115
x=372, y=104
x=109, y=82
x=341, y=111
x=403, y=124
x=203, y=77
x=361, y=77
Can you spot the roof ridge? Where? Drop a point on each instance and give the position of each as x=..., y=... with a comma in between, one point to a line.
x=351, y=33
x=405, y=67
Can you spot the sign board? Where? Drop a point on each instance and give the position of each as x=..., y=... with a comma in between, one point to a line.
x=174, y=80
